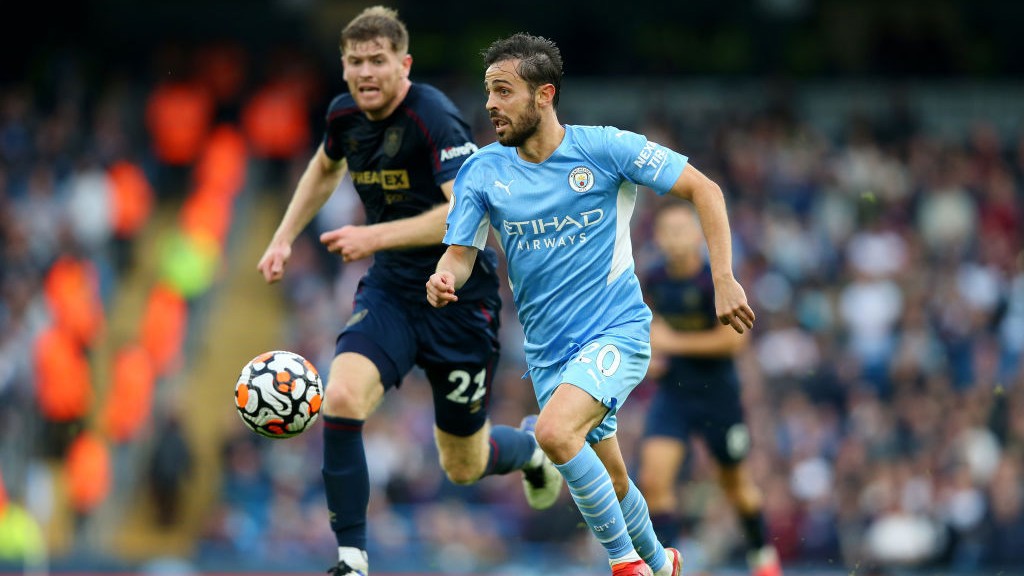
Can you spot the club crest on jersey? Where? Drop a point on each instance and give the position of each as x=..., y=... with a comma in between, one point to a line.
x=581, y=179
x=392, y=140
x=691, y=297
x=357, y=317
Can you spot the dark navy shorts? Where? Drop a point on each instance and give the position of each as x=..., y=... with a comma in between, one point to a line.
x=711, y=410
x=456, y=346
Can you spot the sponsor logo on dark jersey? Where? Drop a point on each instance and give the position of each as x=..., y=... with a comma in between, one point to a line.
x=386, y=179
x=456, y=151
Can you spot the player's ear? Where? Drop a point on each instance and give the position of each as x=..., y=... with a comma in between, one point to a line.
x=406, y=65
x=545, y=95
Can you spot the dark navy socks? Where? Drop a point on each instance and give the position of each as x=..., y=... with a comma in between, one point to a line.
x=346, y=480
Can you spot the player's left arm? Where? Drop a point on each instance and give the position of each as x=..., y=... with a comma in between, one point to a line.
x=355, y=242
x=731, y=305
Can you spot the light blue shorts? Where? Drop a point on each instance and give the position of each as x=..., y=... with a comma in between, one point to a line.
x=607, y=367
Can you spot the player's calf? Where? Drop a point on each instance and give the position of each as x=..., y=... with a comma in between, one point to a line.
x=542, y=482
x=463, y=458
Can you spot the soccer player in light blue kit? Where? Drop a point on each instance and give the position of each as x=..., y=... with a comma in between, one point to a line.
x=560, y=199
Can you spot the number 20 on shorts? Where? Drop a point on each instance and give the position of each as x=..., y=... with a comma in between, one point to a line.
x=605, y=358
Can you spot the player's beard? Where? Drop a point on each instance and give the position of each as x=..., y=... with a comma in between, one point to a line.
x=516, y=134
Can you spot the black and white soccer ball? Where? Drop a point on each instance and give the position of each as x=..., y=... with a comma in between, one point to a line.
x=278, y=394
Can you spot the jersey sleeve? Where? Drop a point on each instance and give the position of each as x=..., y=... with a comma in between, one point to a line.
x=340, y=107
x=642, y=161
x=468, y=217
x=448, y=135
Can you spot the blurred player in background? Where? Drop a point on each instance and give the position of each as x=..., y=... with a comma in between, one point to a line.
x=403, y=143
x=699, y=391
x=561, y=198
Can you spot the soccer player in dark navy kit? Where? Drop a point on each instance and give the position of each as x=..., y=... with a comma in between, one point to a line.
x=699, y=391
x=403, y=143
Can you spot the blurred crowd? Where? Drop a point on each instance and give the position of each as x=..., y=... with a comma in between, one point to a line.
x=884, y=383
x=72, y=199
x=90, y=379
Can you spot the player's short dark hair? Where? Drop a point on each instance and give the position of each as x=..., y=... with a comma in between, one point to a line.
x=377, y=22
x=540, y=60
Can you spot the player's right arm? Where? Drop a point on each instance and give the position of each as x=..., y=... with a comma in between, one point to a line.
x=466, y=235
x=717, y=342
x=453, y=269
x=318, y=182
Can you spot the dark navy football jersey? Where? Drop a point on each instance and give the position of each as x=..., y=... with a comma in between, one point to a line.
x=688, y=305
x=397, y=165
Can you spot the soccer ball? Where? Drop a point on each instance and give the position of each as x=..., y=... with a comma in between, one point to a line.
x=278, y=394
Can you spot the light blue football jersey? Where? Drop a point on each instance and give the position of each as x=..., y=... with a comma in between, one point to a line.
x=564, y=227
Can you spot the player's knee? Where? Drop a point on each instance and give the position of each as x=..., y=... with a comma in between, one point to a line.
x=729, y=485
x=546, y=435
x=649, y=481
x=460, y=469
x=345, y=399
x=463, y=458
x=737, y=486
x=556, y=440
x=463, y=475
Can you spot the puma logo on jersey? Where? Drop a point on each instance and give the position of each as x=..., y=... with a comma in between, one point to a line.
x=504, y=187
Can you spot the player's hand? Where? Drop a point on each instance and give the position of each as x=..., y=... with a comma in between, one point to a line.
x=274, y=259
x=731, y=305
x=662, y=334
x=441, y=289
x=351, y=242
x=657, y=367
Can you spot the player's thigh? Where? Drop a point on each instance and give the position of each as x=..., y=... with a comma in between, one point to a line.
x=458, y=350
x=374, y=351
x=670, y=412
x=666, y=431
x=354, y=387
x=464, y=332
x=565, y=419
x=720, y=422
x=607, y=368
x=461, y=393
